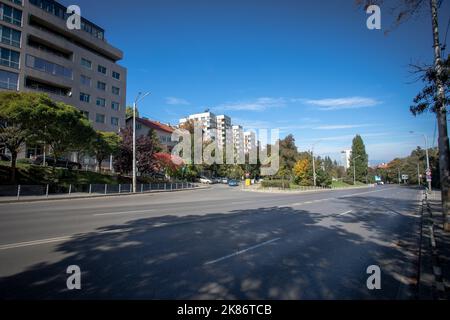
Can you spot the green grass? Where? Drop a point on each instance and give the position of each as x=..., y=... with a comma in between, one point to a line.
x=32, y=175
x=342, y=184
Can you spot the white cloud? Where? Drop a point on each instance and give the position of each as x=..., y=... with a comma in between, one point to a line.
x=343, y=103
x=259, y=104
x=342, y=126
x=177, y=101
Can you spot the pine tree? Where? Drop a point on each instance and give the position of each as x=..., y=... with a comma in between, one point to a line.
x=359, y=159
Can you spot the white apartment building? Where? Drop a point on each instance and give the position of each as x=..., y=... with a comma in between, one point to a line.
x=208, y=122
x=238, y=139
x=219, y=128
x=223, y=127
x=347, y=155
x=249, y=141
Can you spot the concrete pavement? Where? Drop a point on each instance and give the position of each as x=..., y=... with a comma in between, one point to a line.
x=212, y=244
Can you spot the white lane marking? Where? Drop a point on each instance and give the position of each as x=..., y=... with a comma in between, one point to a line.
x=34, y=243
x=123, y=212
x=242, y=251
x=344, y=213
x=51, y=240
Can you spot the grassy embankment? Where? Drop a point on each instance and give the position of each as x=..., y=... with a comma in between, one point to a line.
x=28, y=174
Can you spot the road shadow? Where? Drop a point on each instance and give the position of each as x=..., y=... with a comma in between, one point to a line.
x=167, y=258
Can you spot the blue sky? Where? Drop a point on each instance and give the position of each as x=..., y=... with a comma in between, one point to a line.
x=313, y=70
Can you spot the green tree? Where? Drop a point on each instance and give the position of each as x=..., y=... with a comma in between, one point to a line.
x=288, y=156
x=406, y=9
x=103, y=145
x=359, y=160
x=129, y=112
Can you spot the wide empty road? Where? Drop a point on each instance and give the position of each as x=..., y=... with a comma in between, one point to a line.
x=218, y=243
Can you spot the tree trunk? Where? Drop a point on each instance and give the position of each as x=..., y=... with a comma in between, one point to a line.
x=99, y=165
x=441, y=114
x=13, y=166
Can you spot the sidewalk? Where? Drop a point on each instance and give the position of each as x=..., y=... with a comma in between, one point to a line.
x=83, y=195
x=435, y=252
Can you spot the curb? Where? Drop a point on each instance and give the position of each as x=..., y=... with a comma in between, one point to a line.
x=100, y=196
x=306, y=191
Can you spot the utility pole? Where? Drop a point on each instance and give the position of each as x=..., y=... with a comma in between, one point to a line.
x=418, y=174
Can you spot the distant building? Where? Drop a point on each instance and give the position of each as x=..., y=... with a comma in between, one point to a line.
x=238, y=139
x=208, y=122
x=220, y=128
x=249, y=141
x=223, y=127
x=163, y=131
x=347, y=154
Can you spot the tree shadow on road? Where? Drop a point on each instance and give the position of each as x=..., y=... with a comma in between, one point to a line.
x=167, y=258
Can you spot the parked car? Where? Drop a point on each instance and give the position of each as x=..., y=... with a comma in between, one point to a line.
x=205, y=180
x=224, y=180
x=60, y=163
x=4, y=157
x=233, y=183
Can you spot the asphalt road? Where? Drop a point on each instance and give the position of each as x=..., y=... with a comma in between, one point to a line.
x=218, y=243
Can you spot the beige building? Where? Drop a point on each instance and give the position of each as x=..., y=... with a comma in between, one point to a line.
x=78, y=67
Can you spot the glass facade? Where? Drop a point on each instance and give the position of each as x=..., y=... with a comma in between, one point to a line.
x=10, y=14
x=10, y=36
x=48, y=67
x=8, y=80
x=60, y=11
x=85, y=97
x=100, y=118
x=9, y=58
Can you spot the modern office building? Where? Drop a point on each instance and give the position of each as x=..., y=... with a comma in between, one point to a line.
x=78, y=67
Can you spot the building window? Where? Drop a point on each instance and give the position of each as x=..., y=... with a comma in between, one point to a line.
x=101, y=69
x=19, y=2
x=86, y=63
x=9, y=58
x=101, y=86
x=10, y=14
x=85, y=80
x=116, y=75
x=115, y=121
x=48, y=67
x=115, y=106
x=100, y=118
x=85, y=114
x=115, y=90
x=8, y=80
x=85, y=97
x=10, y=36
x=101, y=102
x=138, y=126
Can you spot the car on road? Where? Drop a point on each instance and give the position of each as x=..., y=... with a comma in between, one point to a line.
x=224, y=180
x=60, y=163
x=233, y=183
x=205, y=180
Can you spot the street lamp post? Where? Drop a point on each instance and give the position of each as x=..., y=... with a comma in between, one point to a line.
x=427, y=155
x=138, y=98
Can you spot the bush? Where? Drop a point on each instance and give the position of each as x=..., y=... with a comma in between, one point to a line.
x=275, y=184
x=24, y=161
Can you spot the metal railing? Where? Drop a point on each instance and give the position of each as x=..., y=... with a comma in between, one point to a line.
x=18, y=192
